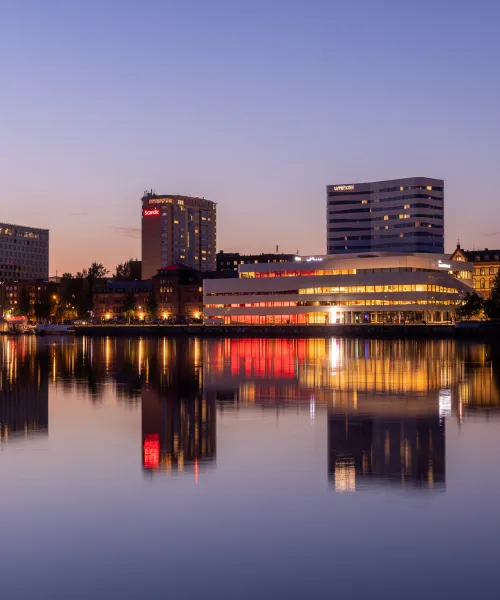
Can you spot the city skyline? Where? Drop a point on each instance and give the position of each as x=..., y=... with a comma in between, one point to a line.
x=260, y=111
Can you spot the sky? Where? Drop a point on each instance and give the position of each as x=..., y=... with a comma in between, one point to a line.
x=257, y=105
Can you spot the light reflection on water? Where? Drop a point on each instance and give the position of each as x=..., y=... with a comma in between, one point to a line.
x=269, y=468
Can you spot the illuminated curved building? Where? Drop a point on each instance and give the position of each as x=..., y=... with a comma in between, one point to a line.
x=345, y=289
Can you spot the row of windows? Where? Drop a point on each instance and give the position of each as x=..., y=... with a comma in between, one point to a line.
x=483, y=284
x=487, y=270
x=369, y=200
x=379, y=228
x=371, y=219
x=387, y=236
x=408, y=246
x=364, y=302
x=297, y=273
x=353, y=289
x=369, y=210
x=366, y=289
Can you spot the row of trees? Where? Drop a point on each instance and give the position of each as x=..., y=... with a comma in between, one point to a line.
x=476, y=307
x=75, y=298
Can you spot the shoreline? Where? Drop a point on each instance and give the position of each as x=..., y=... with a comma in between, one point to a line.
x=472, y=330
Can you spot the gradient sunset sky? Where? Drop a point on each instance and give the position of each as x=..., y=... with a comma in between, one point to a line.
x=257, y=105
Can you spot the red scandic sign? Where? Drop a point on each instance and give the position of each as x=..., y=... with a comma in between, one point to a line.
x=150, y=212
x=152, y=451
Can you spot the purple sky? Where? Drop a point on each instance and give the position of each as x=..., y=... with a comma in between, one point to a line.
x=256, y=105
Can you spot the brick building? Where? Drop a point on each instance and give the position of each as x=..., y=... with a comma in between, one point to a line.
x=110, y=299
x=179, y=292
x=23, y=296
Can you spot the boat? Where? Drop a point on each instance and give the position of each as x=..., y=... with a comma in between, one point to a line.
x=53, y=329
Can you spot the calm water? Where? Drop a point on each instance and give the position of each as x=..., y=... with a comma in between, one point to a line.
x=249, y=469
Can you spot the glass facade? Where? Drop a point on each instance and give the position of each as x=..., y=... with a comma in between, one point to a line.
x=383, y=216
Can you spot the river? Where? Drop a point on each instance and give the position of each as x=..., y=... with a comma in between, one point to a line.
x=258, y=468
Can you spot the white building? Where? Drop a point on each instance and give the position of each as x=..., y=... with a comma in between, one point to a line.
x=353, y=288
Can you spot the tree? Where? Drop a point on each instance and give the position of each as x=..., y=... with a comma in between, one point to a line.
x=43, y=306
x=129, y=306
x=96, y=271
x=472, y=306
x=129, y=270
x=492, y=305
x=24, y=303
x=151, y=305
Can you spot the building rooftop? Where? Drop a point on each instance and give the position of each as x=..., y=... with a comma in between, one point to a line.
x=482, y=255
x=40, y=229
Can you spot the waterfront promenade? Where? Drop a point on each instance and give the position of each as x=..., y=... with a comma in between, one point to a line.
x=473, y=330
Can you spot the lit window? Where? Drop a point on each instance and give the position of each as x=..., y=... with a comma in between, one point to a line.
x=176, y=222
x=429, y=225
x=401, y=216
x=429, y=187
x=406, y=206
x=364, y=201
x=401, y=235
x=402, y=188
x=386, y=217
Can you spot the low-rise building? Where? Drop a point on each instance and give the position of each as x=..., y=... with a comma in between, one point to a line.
x=110, y=299
x=348, y=289
x=179, y=292
x=485, y=267
x=23, y=297
x=230, y=261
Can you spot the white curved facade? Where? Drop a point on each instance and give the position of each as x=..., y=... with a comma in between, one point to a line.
x=349, y=289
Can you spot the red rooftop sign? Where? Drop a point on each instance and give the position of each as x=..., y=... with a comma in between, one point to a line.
x=151, y=212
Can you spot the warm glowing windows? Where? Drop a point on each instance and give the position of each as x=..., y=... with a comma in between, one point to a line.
x=386, y=217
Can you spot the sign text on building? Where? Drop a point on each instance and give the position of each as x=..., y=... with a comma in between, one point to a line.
x=151, y=212
x=343, y=188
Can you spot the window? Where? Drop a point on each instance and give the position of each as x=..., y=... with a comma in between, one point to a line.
x=486, y=257
x=386, y=217
x=477, y=258
x=481, y=284
x=492, y=270
x=429, y=187
x=481, y=271
x=364, y=201
x=406, y=206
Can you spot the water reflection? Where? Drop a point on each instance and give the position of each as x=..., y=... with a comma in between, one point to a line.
x=405, y=451
x=24, y=391
x=260, y=437
x=387, y=401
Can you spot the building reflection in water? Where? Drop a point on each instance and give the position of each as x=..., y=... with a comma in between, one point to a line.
x=406, y=451
x=178, y=421
x=406, y=388
x=24, y=389
x=452, y=377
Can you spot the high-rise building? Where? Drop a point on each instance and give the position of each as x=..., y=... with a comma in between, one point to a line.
x=399, y=215
x=24, y=253
x=177, y=230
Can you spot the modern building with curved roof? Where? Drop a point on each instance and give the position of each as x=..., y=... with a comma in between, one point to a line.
x=348, y=289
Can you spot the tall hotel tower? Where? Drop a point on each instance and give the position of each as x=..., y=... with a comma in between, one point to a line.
x=177, y=230
x=399, y=215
